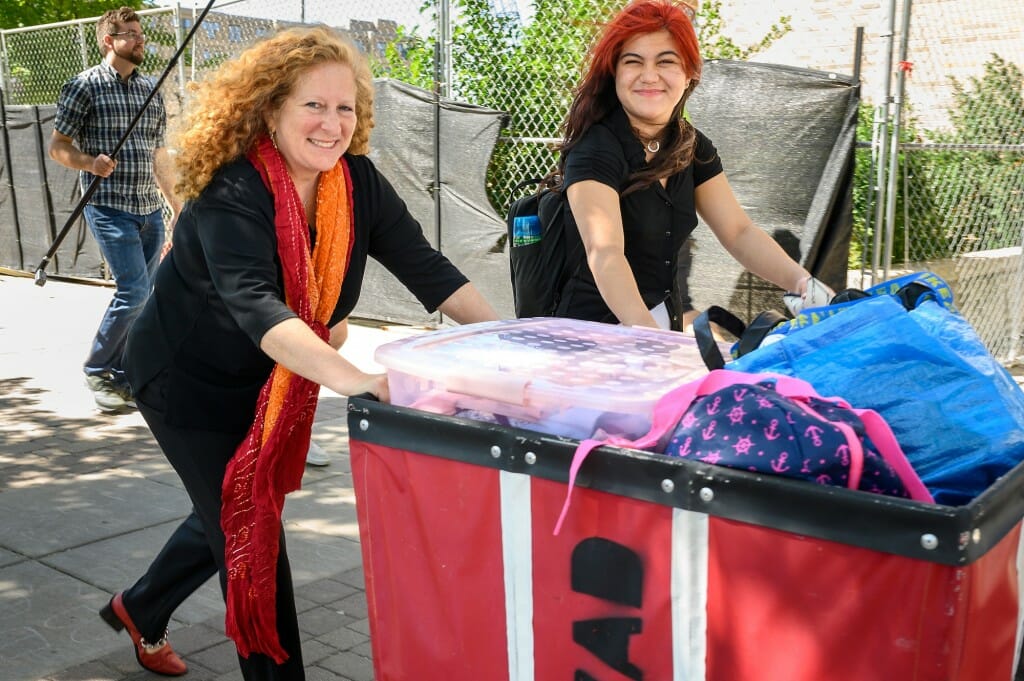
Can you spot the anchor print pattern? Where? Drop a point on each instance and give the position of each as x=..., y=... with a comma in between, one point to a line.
x=753, y=427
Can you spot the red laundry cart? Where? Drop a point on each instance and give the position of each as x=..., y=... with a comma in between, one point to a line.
x=665, y=569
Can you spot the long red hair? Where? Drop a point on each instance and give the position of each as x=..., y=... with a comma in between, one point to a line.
x=594, y=97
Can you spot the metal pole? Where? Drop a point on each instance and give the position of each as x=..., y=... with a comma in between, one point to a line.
x=9, y=164
x=192, y=62
x=858, y=52
x=82, y=45
x=44, y=183
x=439, y=84
x=882, y=123
x=444, y=39
x=6, y=75
x=894, y=147
x=858, y=59
x=176, y=18
x=40, y=274
x=1016, y=322
x=442, y=72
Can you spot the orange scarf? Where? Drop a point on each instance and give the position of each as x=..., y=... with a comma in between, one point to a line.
x=271, y=459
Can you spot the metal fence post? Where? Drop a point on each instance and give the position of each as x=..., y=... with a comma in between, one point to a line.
x=883, y=129
x=176, y=18
x=5, y=67
x=444, y=55
x=82, y=47
x=894, y=146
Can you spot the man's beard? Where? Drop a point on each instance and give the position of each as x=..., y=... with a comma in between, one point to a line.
x=130, y=55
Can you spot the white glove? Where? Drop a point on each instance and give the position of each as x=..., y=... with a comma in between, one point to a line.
x=816, y=294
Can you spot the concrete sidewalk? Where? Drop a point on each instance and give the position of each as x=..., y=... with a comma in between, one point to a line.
x=87, y=499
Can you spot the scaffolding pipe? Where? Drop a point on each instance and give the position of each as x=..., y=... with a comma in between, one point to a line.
x=894, y=146
x=176, y=18
x=882, y=125
x=442, y=85
x=1013, y=350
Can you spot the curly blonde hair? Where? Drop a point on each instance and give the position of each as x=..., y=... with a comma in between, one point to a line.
x=227, y=113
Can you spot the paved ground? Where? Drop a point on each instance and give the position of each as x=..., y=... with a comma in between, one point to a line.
x=87, y=499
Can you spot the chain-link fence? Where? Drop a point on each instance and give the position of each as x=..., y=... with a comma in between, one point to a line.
x=955, y=203
x=951, y=198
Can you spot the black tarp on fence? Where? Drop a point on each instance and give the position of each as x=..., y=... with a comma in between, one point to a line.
x=786, y=137
x=404, y=149
x=37, y=196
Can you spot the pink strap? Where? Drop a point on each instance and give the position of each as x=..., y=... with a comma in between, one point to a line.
x=881, y=434
x=671, y=407
x=877, y=430
x=667, y=412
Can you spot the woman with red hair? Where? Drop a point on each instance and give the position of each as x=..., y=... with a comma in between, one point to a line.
x=635, y=174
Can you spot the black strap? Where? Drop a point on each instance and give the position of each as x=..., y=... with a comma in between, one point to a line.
x=750, y=336
x=706, y=342
x=846, y=295
x=913, y=293
x=758, y=329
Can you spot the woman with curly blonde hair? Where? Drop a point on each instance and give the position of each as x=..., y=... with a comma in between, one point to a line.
x=247, y=313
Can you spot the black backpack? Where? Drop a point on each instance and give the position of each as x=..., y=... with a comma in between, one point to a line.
x=536, y=239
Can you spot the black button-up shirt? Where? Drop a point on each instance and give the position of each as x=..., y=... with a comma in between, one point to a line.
x=221, y=288
x=655, y=219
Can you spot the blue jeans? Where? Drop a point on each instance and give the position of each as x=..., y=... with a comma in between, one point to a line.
x=131, y=245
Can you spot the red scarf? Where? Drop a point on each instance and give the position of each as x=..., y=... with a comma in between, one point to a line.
x=271, y=459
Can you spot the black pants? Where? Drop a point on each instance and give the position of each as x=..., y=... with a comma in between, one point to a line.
x=195, y=551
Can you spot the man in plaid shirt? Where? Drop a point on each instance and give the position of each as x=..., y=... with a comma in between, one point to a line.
x=124, y=214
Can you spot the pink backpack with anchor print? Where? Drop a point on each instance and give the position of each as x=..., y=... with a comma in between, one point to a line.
x=772, y=424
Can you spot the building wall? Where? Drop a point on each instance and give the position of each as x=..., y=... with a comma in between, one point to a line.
x=947, y=38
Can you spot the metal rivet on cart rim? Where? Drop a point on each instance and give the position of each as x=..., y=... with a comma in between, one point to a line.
x=364, y=424
x=706, y=494
x=530, y=458
x=929, y=541
x=667, y=486
x=976, y=535
x=496, y=451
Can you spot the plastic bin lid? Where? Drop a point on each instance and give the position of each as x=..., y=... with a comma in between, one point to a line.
x=549, y=362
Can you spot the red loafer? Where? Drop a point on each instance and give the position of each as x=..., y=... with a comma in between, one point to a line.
x=157, y=657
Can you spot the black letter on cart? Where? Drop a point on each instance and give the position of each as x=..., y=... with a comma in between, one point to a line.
x=612, y=572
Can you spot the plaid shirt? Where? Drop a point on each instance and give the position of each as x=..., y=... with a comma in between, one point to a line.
x=94, y=109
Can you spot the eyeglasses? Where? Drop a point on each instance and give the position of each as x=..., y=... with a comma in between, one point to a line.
x=690, y=12
x=133, y=35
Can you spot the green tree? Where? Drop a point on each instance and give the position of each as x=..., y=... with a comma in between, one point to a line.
x=18, y=13
x=918, y=223
x=951, y=200
x=714, y=42
x=983, y=189
x=41, y=60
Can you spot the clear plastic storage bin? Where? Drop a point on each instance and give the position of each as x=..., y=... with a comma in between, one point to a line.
x=558, y=376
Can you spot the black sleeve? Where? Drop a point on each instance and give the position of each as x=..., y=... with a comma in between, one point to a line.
x=235, y=229
x=598, y=156
x=396, y=239
x=706, y=162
